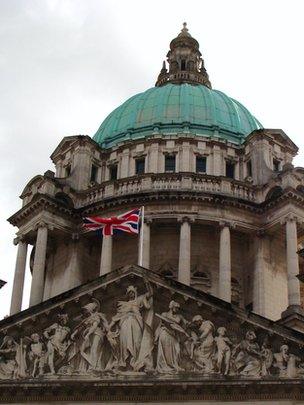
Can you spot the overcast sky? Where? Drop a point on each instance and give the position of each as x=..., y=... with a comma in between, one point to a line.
x=65, y=64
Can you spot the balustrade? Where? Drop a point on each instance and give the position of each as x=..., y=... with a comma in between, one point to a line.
x=168, y=181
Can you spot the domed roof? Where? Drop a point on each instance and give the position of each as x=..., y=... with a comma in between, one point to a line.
x=177, y=109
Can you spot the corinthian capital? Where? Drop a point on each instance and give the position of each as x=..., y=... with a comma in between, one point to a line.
x=289, y=218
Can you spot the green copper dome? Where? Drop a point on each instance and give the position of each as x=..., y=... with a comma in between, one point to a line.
x=177, y=109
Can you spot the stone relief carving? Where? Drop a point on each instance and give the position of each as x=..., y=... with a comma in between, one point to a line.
x=136, y=339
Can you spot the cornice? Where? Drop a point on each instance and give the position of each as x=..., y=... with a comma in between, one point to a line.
x=178, y=387
x=159, y=391
x=41, y=202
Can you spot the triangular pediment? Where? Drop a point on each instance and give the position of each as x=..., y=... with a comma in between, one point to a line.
x=132, y=324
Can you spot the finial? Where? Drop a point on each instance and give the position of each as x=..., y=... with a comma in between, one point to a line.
x=185, y=29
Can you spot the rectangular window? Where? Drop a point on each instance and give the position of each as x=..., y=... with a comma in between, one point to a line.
x=249, y=168
x=68, y=170
x=230, y=169
x=276, y=165
x=94, y=171
x=200, y=164
x=113, y=172
x=170, y=163
x=140, y=166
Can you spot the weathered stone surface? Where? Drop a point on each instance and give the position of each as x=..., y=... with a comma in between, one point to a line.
x=132, y=329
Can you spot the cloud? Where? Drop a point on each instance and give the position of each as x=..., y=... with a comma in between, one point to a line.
x=65, y=64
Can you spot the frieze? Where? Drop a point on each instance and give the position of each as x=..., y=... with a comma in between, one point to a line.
x=138, y=328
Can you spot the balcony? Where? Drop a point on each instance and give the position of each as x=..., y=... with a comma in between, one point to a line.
x=168, y=181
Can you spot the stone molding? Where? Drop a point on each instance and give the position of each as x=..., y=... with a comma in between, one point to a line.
x=20, y=238
x=227, y=224
x=46, y=317
x=43, y=224
x=186, y=218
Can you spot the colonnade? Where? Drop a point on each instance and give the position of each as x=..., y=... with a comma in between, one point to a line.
x=184, y=267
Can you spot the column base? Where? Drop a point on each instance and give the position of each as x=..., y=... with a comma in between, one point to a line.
x=293, y=317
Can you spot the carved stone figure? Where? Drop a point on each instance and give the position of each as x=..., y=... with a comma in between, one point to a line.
x=133, y=322
x=286, y=362
x=37, y=355
x=88, y=353
x=223, y=345
x=58, y=341
x=267, y=357
x=204, y=345
x=248, y=360
x=12, y=359
x=168, y=335
x=134, y=342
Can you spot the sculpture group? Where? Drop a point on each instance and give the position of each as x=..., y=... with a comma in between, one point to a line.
x=137, y=340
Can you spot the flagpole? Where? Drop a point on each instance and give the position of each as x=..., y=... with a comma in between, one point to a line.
x=141, y=237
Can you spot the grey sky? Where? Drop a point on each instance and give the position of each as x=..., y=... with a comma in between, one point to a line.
x=65, y=64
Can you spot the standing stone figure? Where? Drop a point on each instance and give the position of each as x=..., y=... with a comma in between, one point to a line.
x=168, y=335
x=133, y=321
x=58, y=341
x=88, y=353
x=204, y=345
x=267, y=357
x=12, y=359
x=286, y=363
x=37, y=355
x=223, y=344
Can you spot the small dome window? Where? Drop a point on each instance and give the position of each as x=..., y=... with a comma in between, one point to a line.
x=275, y=192
x=64, y=199
x=140, y=166
x=230, y=166
x=170, y=163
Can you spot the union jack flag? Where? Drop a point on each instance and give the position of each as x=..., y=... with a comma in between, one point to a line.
x=127, y=222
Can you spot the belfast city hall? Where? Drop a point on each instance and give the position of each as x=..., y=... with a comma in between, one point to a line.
x=166, y=255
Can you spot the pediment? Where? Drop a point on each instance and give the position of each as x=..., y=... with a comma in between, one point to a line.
x=133, y=324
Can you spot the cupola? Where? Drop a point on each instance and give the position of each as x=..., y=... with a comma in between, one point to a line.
x=185, y=62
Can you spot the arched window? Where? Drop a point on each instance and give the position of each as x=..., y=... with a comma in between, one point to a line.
x=300, y=188
x=183, y=64
x=201, y=280
x=275, y=192
x=64, y=199
x=167, y=270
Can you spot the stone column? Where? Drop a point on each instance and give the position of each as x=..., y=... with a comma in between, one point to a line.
x=184, y=263
x=259, y=288
x=225, y=263
x=292, y=262
x=153, y=159
x=73, y=277
x=37, y=286
x=144, y=261
x=217, y=161
x=18, y=285
x=106, y=255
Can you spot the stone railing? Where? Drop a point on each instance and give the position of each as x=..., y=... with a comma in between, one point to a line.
x=168, y=181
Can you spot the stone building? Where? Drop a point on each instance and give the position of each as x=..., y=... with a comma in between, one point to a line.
x=208, y=306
